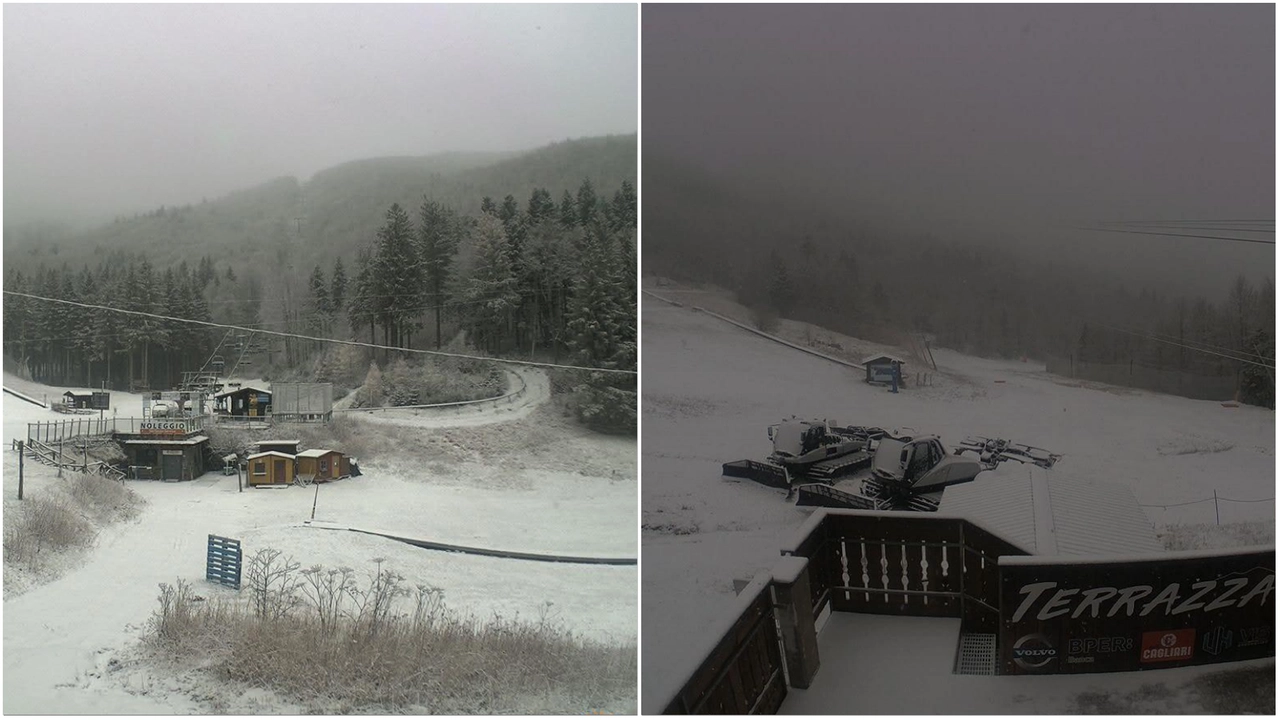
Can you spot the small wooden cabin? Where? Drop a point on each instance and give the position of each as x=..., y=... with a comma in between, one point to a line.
x=323, y=465
x=77, y=400
x=166, y=459
x=244, y=402
x=270, y=468
x=880, y=368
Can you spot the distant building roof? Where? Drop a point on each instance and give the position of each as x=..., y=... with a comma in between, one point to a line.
x=315, y=453
x=242, y=389
x=195, y=440
x=79, y=393
x=276, y=442
x=890, y=358
x=270, y=452
x=1047, y=512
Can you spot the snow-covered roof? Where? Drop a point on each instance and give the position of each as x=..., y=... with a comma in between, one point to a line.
x=270, y=452
x=195, y=440
x=242, y=389
x=1050, y=513
x=882, y=356
x=276, y=442
x=314, y=453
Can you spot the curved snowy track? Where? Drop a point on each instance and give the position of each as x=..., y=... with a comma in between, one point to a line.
x=537, y=390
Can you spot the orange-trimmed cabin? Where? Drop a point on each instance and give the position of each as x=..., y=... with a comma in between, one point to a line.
x=323, y=465
x=270, y=468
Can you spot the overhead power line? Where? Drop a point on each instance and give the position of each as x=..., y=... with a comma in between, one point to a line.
x=299, y=336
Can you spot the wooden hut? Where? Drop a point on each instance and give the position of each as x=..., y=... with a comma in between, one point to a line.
x=880, y=368
x=78, y=400
x=323, y=465
x=244, y=402
x=270, y=468
x=180, y=458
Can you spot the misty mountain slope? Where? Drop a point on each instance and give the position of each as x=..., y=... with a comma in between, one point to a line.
x=346, y=205
x=855, y=270
x=338, y=209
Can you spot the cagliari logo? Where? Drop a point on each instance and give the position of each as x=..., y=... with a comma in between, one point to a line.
x=1168, y=645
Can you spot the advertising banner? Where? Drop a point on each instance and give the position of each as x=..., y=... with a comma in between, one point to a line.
x=1193, y=609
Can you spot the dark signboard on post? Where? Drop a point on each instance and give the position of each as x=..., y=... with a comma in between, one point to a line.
x=1073, y=615
x=101, y=401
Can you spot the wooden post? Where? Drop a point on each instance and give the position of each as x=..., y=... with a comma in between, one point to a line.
x=1217, y=519
x=21, y=452
x=313, y=502
x=793, y=608
x=239, y=485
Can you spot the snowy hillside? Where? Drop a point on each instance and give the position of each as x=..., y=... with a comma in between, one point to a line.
x=64, y=642
x=711, y=389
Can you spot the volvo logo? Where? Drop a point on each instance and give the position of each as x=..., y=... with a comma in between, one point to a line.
x=1033, y=652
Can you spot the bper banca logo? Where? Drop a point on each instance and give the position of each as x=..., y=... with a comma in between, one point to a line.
x=1032, y=652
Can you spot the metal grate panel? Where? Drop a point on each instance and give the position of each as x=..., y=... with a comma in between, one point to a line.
x=977, y=654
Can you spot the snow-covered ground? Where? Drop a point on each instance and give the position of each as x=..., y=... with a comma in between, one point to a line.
x=60, y=638
x=711, y=389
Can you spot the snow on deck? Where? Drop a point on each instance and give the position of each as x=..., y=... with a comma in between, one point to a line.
x=1049, y=514
x=894, y=665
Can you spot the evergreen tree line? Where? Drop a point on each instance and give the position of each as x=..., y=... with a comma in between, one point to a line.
x=985, y=301
x=63, y=344
x=553, y=280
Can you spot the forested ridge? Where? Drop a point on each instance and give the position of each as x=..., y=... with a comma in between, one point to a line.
x=787, y=259
x=325, y=216
x=549, y=278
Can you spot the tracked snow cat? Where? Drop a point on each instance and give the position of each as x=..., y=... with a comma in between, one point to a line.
x=870, y=468
x=809, y=450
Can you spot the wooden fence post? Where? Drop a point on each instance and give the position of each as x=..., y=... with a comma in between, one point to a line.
x=793, y=607
x=21, y=452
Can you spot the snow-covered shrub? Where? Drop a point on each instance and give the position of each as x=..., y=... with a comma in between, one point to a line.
x=45, y=524
x=272, y=582
x=395, y=651
x=103, y=498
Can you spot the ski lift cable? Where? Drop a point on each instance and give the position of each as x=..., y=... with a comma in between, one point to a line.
x=1188, y=347
x=1182, y=235
x=300, y=336
x=1211, y=346
x=1205, y=228
x=1187, y=222
x=1202, y=345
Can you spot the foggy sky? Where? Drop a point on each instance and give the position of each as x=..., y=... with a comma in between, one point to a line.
x=119, y=109
x=1032, y=116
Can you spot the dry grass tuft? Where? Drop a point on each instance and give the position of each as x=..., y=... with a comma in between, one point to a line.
x=382, y=646
x=107, y=500
x=45, y=525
